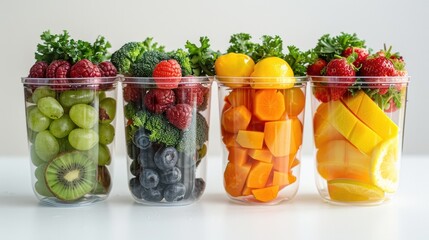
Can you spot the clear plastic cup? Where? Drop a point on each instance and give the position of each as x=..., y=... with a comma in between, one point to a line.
x=71, y=129
x=358, y=136
x=261, y=130
x=166, y=135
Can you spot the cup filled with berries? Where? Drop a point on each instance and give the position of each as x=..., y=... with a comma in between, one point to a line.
x=70, y=102
x=358, y=109
x=261, y=102
x=166, y=108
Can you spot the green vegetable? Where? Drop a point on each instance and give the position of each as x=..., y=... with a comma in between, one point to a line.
x=328, y=47
x=182, y=57
x=194, y=138
x=160, y=129
x=143, y=66
x=61, y=46
x=202, y=58
x=270, y=47
x=130, y=110
x=125, y=56
x=298, y=60
x=240, y=43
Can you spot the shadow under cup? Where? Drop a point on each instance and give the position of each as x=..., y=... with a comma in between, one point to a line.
x=71, y=129
x=358, y=136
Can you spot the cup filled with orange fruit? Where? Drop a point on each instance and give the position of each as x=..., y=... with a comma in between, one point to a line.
x=261, y=103
x=358, y=109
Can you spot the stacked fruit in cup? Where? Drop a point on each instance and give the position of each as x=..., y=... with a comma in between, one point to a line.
x=166, y=119
x=70, y=108
x=358, y=109
x=261, y=103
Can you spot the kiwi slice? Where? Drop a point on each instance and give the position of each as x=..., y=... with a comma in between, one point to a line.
x=103, y=185
x=70, y=176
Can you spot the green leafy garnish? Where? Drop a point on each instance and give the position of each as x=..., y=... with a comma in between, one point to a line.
x=327, y=47
x=202, y=57
x=270, y=47
x=240, y=43
x=298, y=60
x=61, y=46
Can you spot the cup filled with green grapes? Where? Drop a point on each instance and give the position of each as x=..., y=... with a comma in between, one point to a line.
x=70, y=104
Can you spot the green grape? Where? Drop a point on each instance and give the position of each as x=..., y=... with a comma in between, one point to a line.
x=104, y=157
x=37, y=121
x=42, y=189
x=83, y=139
x=62, y=126
x=107, y=110
x=65, y=145
x=102, y=95
x=34, y=158
x=42, y=92
x=73, y=97
x=50, y=107
x=106, y=133
x=31, y=135
x=46, y=145
x=40, y=172
x=83, y=115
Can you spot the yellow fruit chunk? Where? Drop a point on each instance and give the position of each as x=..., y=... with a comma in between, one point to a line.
x=232, y=65
x=250, y=139
x=370, y=114
x=280, y=178
x=340, y=159
x=263, y=155
x=353, y=191
x=384, y=165
x=273, y=73
x=323, y=130
x=352, y=128
x=283, y=137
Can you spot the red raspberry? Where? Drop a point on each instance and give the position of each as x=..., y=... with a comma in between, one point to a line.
x=38, y=70
x=190, y=94
x=180, y=115
x=131, y=93
x=51, y=71
x=167, y=74
x=83, y=69
x=107, y=69
x=158, y=100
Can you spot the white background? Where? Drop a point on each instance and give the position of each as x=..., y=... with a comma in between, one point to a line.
x=402, y=24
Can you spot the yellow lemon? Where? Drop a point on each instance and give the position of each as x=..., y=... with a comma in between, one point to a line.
x=232, y=69
x=384, y=165
x=272, y=72
x=347, y=190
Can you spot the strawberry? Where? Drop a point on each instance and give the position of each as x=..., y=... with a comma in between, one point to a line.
x=316, y=68
x=180, y=115
x=131, y=93
x=167, y=74
x=158, y=100
x=362, y=54
x=107, y=69
x=391, y=107
x=38, y=70
x=84, y=69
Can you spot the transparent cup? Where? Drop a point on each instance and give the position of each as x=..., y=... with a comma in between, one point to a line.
x=71, y=129
x=166, y=135
x=358, y=137
x=261, y=130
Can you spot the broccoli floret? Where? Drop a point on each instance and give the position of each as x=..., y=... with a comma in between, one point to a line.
x=130, y=110
x=194, y=138
x=160, y=130
x=143, y=66
x=124, y=57
x=182, y=57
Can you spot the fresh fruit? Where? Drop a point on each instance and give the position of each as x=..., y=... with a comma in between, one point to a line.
x=151, y=194
x=322, y=128
x=107, y=69
x=250, y=139
x=106, y=133
x=384, y=165
x=107, y=110
x=189, y=93
x=283, y=137
x=235, y=119
x=131, y=93
x=272, y=72
x=268, y=105
x=41, y=92
x=235, y=178
x=167, y=74
x=170, y=176
x=149, y=178
x=104, y=156
x=42, y=189
x=266, y=194
x=237, y=155
x=316, y=68
x=346, y=190
x=50, y=107
x=104, y=180
x=180, y=115
x=58, y=69
x=84, y=69
x=362, y=54
x=174, y=192
x=46, y=145
x=62, y=126
x=38, y=70
x=84, y=116
x=166, y=158
x=73, y=97
x=83, y=139
x=37, y=121
x=159, y=100
x=198, y=189
x=70, y=176
x=232, y=65
x=294, y=101
x=259, y=174
x=141, y=139
x=263, y=155
x=135, y=187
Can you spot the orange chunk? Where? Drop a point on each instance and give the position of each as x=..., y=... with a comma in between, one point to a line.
x=237, y=155
x=283, y=137
x=250, y=139
x=235, y=178
x=280, y=178
x=235, y=119
x=266, y=194
x=259, y=174
x=268, y=105
x=263, y=155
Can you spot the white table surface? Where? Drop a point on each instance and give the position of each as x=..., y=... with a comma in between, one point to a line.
x=406, y=216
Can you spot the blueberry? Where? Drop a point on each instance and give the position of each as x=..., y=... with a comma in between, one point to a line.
x=186, y=161
x=152, y=194
x=136, y=188
x=171, y=176
x=132, y=150
x=166, y=158
x=188, y=179
x=174, y=192
x=199, y=188
x=145, y=158
x=135, y=168
x=141, y=139
x=149, y=178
